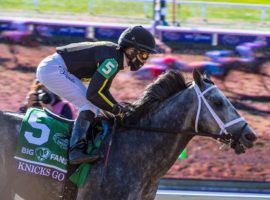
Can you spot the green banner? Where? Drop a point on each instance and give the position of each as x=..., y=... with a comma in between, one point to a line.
x=43, y=145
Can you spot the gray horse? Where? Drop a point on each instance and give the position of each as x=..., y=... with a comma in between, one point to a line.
x=143, y=149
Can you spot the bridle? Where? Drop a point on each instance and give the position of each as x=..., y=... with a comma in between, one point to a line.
x=223, y=134
x=222, y=126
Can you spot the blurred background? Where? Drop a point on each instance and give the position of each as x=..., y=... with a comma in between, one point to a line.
x=229, y=39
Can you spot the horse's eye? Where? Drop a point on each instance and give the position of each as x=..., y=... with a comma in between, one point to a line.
x=218, y=103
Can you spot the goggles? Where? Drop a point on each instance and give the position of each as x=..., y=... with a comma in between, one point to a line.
x=142, y=55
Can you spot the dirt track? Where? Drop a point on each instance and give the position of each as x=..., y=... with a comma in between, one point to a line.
x=205, y=160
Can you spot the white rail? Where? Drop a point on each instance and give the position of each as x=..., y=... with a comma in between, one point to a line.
x=198, y=195
x=204, y=6
x=223, y=4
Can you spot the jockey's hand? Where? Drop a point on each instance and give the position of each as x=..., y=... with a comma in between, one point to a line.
x=119, y=109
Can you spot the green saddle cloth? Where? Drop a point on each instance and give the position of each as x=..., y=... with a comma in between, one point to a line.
x=42, y=146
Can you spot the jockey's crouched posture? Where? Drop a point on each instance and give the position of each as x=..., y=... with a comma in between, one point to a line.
x=63, y=72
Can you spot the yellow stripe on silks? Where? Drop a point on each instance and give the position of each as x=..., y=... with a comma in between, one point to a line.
x=103, y=96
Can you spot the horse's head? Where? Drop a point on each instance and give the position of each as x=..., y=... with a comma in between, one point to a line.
x=218, y=117
x=171, y=105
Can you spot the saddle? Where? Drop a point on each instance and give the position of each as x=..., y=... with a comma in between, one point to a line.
x=98, y=132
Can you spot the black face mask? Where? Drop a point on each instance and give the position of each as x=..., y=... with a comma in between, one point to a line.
x=134, y=62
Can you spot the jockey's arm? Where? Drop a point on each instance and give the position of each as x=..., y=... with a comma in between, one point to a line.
x=98, y=92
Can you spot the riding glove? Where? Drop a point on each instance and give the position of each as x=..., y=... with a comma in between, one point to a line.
x=119, y=109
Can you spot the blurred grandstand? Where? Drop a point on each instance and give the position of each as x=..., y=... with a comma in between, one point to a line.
x=184, y=13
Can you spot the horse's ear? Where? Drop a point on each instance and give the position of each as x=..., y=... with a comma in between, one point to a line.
x=206, y=76
x=197, y=76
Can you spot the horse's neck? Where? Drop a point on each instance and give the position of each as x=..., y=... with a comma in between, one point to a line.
x=176, y=114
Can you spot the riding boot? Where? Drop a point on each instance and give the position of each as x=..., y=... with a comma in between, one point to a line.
x=78, y=140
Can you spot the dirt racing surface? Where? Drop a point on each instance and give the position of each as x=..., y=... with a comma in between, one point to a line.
x=249, y=91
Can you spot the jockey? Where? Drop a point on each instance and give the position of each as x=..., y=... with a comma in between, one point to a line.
x=247, y=51
x=63, y=72
x=219, y=56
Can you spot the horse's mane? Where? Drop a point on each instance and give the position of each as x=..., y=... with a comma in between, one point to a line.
x=161, y=89
x=165, y=86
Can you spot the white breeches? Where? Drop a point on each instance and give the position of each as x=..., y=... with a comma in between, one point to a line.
x=52, y=72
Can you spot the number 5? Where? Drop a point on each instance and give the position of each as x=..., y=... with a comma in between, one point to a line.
x=45, y=131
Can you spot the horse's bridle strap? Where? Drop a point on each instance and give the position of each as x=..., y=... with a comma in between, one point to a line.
x=201, y=98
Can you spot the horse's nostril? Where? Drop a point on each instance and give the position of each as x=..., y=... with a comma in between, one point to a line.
x=250, y=137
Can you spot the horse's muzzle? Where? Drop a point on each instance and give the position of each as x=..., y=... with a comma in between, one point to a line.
x=248, y=137
x=246, y=140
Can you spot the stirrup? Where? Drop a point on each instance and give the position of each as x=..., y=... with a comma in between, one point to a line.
x=76, y=156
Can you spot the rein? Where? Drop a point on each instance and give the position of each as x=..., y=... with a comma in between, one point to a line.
x=166, y=130
x=223, y=134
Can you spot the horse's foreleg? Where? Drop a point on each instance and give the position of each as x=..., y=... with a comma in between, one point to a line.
x=149, y=190
x=5, y=186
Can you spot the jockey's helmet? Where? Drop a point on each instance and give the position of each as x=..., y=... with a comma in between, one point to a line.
x=143, y=43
